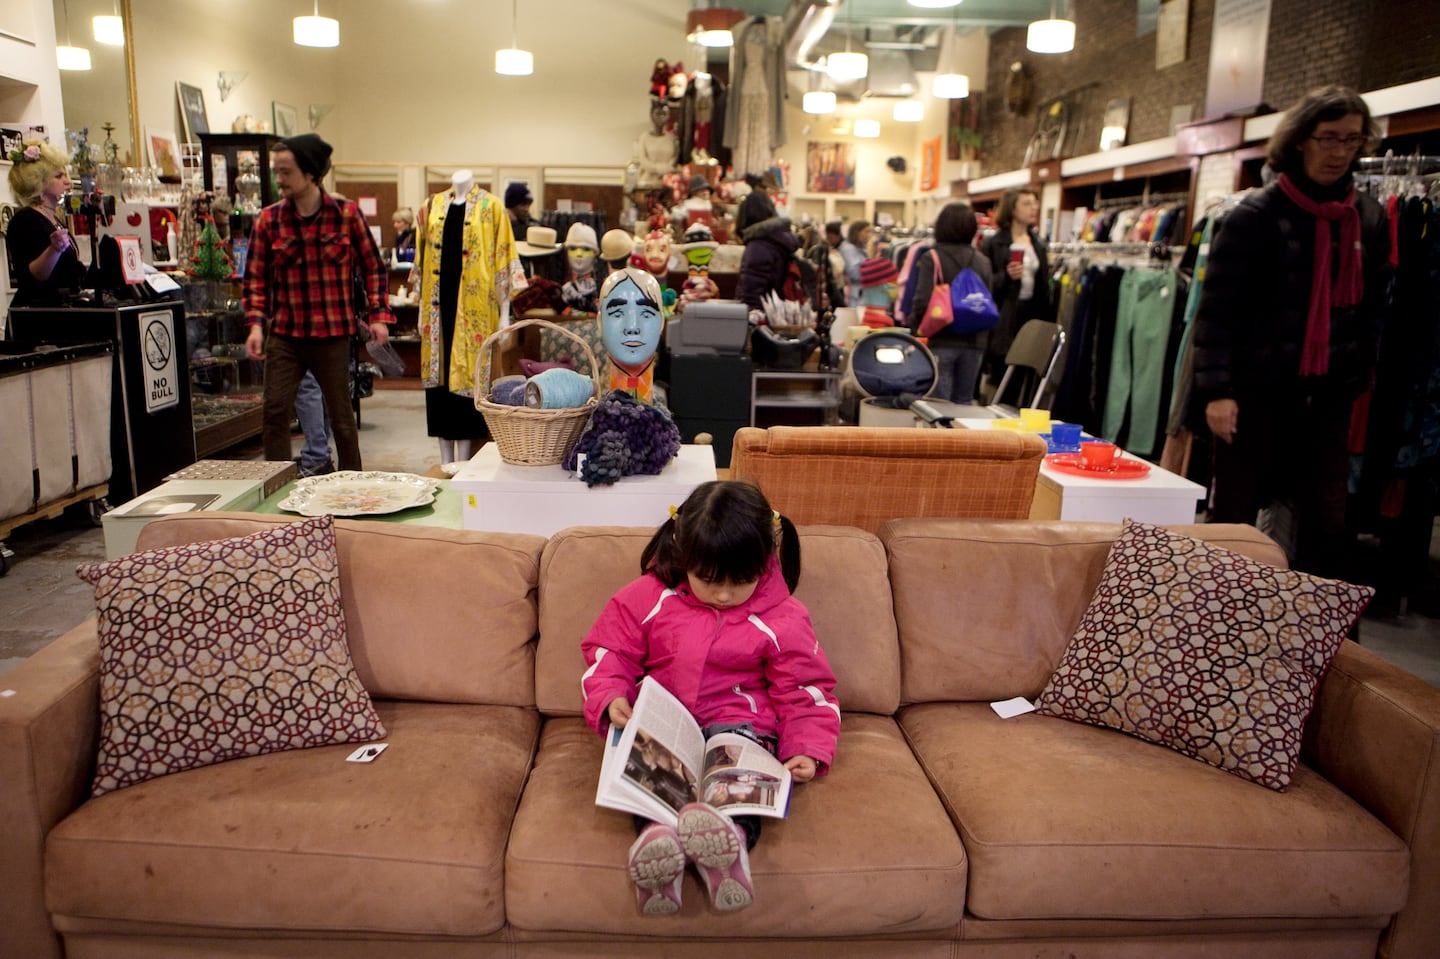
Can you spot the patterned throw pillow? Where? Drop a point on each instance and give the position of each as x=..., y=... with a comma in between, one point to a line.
x=1205, y=651
x=215, y=651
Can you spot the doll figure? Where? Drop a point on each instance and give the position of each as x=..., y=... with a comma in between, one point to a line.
x=678, y=83
x=660, y=78
x=658, y=151
x=657, y=253
x=581, y=249
x=632, y=318
x=698, y=247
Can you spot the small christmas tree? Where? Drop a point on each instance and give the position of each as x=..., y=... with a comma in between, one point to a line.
x=210, y=260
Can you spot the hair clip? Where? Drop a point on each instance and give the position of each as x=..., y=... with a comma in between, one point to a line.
x=674, y=512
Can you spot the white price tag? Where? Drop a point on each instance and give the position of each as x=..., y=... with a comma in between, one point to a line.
x=367, y=754
x=1011, y=708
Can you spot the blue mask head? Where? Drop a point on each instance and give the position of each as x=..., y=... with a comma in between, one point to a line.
x=631, y=317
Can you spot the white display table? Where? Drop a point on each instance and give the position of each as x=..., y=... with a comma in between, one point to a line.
x=124, y=523
x=1161, y=497
x=503, y=498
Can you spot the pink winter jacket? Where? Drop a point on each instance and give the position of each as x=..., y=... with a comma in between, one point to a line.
x=756, y=663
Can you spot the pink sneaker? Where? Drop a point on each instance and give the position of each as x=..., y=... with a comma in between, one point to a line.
x=656, y=866
x=717, y=848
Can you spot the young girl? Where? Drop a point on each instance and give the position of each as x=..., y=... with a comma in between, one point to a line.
x=713, y=620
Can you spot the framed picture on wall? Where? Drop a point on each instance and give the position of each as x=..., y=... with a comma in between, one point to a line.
x=829, y=168
x=164, y=151
x=930, y=164
x=193, y=120
x=286, y=119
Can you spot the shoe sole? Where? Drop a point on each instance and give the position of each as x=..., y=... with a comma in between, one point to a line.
x=654, y=868
x=711, y=844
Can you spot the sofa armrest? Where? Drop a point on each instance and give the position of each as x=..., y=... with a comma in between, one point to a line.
x=1375, y=733
x=49, y=732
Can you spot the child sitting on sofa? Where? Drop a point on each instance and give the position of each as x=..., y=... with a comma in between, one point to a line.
x=712, y=619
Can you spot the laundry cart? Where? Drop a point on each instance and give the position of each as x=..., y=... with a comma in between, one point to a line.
x=55, y=432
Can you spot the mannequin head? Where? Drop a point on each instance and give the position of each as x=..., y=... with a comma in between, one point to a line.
x=659, y=116
x=581, y=248
x=631, y=317
x=657, y=252
x=678, y=83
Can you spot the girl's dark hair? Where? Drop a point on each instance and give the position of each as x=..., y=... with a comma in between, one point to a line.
x=725, y=530
x=1298, y=124
x=955, y=224
x=852, y=233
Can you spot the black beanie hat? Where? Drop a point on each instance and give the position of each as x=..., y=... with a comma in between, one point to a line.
x=517, y=193
x=312, y=154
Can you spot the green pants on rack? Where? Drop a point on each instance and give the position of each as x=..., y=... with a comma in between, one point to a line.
x=1137, y=362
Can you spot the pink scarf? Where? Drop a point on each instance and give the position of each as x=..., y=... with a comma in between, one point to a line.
x=1349, y=283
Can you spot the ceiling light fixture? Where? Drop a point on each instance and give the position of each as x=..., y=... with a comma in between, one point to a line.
x=712, y=26
x=68, y=57
x=935, y=4
x=109, y=30
x=512, y=61
x=949, y=83
x=819, y=101
x=317, y=31
x=846, y=66
x=1051, y=36
x=867, y=129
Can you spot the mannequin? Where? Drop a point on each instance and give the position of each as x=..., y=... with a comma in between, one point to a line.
x=581, y=249
x=631, y=321
x=468, y=269
x=698, y=248
x=658, y=150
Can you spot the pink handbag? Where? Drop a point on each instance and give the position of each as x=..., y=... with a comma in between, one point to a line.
x=939, y=313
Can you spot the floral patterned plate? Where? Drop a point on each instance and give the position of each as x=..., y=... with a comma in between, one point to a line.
x=359, y=493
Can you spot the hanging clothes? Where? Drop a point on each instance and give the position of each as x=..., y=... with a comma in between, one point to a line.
x=489, y=274
x=755, y=119
x=1137, y=359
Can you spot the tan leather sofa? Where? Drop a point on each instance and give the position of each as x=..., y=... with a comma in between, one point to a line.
x=866, y=476
x=942, y=831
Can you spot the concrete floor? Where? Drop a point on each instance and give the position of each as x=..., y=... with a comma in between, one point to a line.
x=41, y=597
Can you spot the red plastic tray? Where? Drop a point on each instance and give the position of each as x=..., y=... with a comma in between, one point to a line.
x=1072, y=465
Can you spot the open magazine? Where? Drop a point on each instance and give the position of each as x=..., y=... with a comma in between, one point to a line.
x=659, y=762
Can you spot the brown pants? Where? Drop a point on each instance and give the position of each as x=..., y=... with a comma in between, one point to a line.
x=287, y=358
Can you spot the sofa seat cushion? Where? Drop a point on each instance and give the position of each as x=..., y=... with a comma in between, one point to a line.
x=1065, y=820
x=305, y=842
x=867, y=847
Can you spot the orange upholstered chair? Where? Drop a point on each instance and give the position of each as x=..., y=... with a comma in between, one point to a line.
x=865, y=476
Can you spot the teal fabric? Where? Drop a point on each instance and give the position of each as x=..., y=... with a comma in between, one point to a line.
x=1137, y=362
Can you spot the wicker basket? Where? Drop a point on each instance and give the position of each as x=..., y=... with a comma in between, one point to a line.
x=525, y=436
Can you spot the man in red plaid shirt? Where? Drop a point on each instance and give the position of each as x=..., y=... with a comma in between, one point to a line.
x=300, y=276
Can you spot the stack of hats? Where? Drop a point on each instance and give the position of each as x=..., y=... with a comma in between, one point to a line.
x=877, y=271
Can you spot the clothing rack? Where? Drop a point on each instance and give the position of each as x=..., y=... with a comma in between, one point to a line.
x=1140, y=200
x=1393, y=165
x=1156, y=251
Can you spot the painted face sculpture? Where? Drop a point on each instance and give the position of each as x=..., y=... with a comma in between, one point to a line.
x=631, y=317
x=582, y=260
x=657, y=252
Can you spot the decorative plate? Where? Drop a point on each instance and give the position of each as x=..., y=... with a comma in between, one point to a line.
x=359, y=493
x=1072, y=465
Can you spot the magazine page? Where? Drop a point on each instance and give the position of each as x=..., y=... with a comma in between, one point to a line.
x=653, y=767
x=743, y=779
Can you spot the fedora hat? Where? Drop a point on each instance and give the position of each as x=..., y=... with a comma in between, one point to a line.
x=539, y=241
x=616, y=245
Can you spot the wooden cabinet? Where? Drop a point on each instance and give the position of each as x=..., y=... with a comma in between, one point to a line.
x=221, y=155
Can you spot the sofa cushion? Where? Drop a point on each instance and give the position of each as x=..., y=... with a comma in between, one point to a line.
x=842, y=583
x=866, y=848
x=304, y=842
x=1203, y=650
x=986, y=608
x=421, y=645
x=1066, y=820
x=213, y=651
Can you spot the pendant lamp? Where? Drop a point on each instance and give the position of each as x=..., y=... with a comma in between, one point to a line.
x=512, y=61
x=69, y=57
x=847, y=65
x=909, y=111
x=1055, y=35
x=934, y=4
x=317, y=31
x=817, y=99
x=109, y=29
x=867, y=129
x=949, y=82
x=713, y=26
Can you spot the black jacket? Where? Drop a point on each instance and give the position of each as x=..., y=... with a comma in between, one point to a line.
x=1007, y=291
x=769, y=246
x=954, y=257
x=1250, y=325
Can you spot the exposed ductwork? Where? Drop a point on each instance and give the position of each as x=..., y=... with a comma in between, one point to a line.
x=806, y=21
x=892, y=70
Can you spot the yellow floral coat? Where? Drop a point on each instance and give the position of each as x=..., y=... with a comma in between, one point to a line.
x=489, y=276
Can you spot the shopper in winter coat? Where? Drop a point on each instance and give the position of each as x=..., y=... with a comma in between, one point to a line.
x=712, y=620
x=1287, y=327
x=958, y=356
x=1020, y=271
x=770, y=245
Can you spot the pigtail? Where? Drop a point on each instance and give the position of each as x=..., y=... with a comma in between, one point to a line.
x=662, y=555
x=788, y=546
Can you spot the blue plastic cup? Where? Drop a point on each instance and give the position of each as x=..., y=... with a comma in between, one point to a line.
x=1064, y=437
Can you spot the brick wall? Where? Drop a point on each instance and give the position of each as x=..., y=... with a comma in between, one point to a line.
x=1366, y=44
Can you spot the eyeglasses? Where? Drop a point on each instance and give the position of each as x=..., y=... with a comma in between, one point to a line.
x=1330, y=141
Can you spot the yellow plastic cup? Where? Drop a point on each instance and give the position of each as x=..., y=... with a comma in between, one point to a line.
x=1035, y=421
